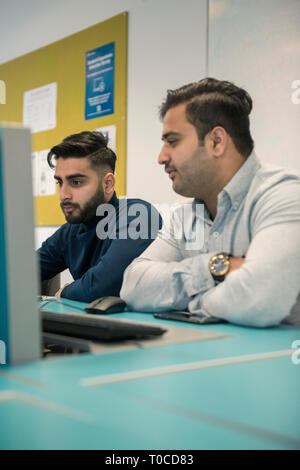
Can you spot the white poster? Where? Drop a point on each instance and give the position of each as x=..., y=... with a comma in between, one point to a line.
x=35, y=185
x=45, y=176
x=43, y=181
x=111, y=133
x=39, y=108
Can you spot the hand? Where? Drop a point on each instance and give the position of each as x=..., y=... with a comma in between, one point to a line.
x=60, y=290
x=235, y=263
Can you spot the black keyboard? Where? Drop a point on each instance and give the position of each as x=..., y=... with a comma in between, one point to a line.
x=81, y=325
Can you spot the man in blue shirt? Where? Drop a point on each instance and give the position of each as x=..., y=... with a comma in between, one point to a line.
x=233, y=252
x=103, y=234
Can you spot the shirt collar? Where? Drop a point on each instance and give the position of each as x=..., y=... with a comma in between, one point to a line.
x=239, y=184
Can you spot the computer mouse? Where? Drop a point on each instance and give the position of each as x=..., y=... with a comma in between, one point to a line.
x=106, y=305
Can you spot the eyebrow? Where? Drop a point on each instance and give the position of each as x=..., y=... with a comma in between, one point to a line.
x=70, y=177
x=170, y=134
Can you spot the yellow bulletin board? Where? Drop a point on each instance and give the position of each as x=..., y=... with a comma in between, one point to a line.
x=64, y=62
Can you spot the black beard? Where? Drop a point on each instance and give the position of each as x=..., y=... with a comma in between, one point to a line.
x=88, y=211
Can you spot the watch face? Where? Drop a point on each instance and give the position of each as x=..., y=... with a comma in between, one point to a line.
x=219, y=265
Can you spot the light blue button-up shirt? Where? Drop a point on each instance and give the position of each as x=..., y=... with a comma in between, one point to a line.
x=258, y=216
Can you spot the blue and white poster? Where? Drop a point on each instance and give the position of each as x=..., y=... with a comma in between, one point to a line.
x=99, y=85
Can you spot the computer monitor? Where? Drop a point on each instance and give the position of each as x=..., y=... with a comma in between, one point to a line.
x=19, y=316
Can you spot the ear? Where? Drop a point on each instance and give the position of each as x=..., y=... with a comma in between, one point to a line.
x=108, y=184
x=217, y=141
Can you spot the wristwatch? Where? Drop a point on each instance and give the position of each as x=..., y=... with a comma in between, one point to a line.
x=219, y=266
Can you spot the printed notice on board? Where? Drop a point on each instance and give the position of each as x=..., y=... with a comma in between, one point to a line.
x=99, y=84
x=42, y=175
x=39, y=108
x=110, y=133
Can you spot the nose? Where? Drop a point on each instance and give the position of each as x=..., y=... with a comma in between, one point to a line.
x=164, y=155
x=65, y=193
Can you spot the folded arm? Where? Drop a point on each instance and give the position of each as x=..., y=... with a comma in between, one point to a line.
x=105, y=278
x=260, y=293
x=161, y=279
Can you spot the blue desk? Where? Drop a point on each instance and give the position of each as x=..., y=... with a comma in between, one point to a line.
x=242, y=394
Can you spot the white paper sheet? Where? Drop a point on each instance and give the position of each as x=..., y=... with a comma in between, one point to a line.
x=46, y=179
x=111, y=133
x=39, y=108
x=43, y=181
x=34, y=162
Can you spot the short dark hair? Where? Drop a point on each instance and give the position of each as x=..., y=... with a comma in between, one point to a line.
x=211, y=103
x=92, y=145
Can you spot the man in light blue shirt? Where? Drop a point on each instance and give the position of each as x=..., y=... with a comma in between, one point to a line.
x=245, y=268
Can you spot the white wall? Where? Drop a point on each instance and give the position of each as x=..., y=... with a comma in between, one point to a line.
x=256, y=44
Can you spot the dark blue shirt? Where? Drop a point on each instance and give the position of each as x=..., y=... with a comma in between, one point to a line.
x=98, y=252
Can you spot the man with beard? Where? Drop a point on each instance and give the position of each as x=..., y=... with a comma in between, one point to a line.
x=246, y=267
x=96, y=256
